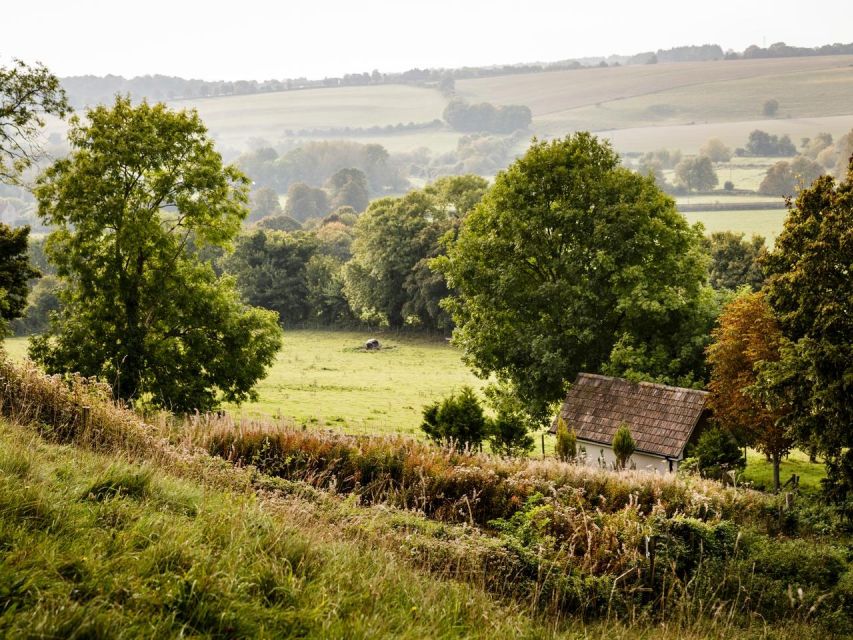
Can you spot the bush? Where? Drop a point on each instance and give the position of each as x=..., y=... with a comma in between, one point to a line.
x=508, y=435
x=623, y=445
x=457, y=420
x=567, y=443
x=717, y=453
x=728, y=185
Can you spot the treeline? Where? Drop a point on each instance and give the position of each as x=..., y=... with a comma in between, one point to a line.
x=487, y=117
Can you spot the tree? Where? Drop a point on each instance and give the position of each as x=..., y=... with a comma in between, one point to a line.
x=735, y=262
x=717, y=453
x=786, y=178
x=304, y=202
x=15, y=273
x=390, y=278
x=623, y=446
x=348, y=188
x=696, y=174
x=770, y=108
x=761, y=143
x=458, y=420
x=567, y=442
x=141, y=194
x=567, y=256
x=264, y=203
x=810, y=291
x=269, y=267
x=716, y=150
x=747, y=336
x=27, y=95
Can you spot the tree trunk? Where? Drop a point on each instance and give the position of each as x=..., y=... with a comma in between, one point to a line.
x=777, y=459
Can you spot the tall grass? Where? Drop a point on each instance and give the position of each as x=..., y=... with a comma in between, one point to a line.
x=557, y=540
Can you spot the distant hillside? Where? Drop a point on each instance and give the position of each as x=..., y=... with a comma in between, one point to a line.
x=89, y=89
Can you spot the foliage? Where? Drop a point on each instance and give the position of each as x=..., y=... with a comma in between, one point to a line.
x=567, y=256
x=349, y=188
x=761, y=143
x=457, y=420
x=264, y=203
x=786, y=178
x=696, y=174
x=623, y=446
x=390, y=278
x=567, y=442
x=770, y=108
x=27, y=95
x=15, y=273
x=509, y=430
x=324, y=280
x=278, y=223
x=486, y=117
x=810, y=291
x=715, y=150
x=42, y=302
x=142, y=192
x=717, y=453
x=304, y=202
x=735, y=262
x=270, y=270
x=747, y=336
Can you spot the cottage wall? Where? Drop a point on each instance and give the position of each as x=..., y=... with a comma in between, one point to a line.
x=642, y=461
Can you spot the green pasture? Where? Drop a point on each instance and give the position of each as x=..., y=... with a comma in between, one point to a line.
x=326, y=378
x=766, y=222
x=760, y=472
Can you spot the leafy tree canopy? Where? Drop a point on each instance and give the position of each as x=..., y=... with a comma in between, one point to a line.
x=810, y=290
x=27, y=95
x=572, y=263
x=141, y=194
x=15, y=272
x=735, y=261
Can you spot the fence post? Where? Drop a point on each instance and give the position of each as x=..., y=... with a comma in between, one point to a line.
x=543, y=444
x=86, y=411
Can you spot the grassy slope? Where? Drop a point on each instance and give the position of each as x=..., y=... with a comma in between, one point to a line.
x=682, y=105
x=95, y=547
x=767, y=223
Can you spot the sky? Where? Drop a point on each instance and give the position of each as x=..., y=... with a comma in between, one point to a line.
x=259, y=40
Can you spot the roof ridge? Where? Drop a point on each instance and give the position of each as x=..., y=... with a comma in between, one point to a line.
x=644, y=383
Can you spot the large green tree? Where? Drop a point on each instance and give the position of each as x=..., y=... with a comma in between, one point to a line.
x=390, y=278
x=141, y=194
x=572, y=263
x=15, y=272
x=27, y=95
x=810, y=289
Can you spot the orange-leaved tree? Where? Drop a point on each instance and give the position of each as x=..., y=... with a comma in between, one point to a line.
x=747, y=334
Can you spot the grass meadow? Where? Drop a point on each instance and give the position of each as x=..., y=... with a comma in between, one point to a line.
x=767, y=222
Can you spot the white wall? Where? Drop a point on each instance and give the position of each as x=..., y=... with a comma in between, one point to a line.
x=641, y=461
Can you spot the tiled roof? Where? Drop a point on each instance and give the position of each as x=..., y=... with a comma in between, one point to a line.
x=661, y=418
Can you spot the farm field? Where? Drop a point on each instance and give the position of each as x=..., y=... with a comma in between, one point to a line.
x=767, y=223
x=232, y=120
x=325, y=378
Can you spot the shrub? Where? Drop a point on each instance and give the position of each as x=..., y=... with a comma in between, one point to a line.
x=728, y=185
x=567, y=444
x=717, y=453
x=508, y=435
x=623, y=445
x=456, y=420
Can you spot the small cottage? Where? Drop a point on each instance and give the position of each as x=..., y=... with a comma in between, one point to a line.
x=663, y=420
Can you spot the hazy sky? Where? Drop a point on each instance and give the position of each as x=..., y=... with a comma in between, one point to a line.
x=256, y=39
